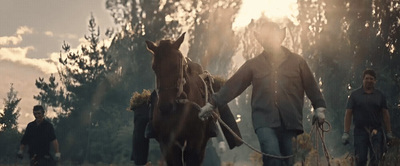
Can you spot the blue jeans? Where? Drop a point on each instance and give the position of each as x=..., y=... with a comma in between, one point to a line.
x=364, y=143
x=278, y=142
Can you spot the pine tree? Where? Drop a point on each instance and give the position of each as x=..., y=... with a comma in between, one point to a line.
x=9, y=134
x=10, y=114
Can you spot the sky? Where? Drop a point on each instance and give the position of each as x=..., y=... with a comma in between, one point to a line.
x=32, y=32
x=31, y=35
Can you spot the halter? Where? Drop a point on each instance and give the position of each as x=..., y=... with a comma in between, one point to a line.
x=181, y=79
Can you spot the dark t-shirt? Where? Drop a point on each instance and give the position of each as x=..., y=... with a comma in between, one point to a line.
x=38, y=138
x=367, y=108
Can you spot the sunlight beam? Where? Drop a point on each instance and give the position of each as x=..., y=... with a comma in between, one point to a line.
x=277, y=10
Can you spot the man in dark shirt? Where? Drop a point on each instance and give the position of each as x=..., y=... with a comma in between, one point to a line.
x=368, y=108
x=38, y=136
x=280, y=79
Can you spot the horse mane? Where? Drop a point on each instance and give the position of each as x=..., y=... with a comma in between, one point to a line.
x=193, y=67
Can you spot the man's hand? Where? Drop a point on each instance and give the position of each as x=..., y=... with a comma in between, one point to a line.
x=206, y=111
x=222, y=147
x=389, y=136
x=20, y=154
x=319, y=115
x=57, y=156
x=345, y=138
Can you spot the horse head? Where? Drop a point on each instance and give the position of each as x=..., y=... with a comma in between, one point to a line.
x=169, y=66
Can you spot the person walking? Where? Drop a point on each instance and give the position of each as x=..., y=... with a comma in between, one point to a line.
x=367, y=107
x=39, y=134
x=279, y=80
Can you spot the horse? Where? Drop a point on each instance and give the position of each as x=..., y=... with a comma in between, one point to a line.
x=181, y=92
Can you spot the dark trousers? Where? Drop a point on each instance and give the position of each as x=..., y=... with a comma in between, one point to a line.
x=46, y=160
x=365, y=143
x=140, y=149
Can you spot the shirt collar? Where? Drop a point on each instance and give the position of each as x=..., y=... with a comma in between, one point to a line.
x=362, y=88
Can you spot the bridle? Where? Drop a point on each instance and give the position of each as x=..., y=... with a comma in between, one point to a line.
x=181, y=79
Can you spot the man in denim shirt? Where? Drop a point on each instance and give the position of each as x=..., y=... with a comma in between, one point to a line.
x=279, y=79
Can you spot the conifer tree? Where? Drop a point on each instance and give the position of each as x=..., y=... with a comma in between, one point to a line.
x=10, y=114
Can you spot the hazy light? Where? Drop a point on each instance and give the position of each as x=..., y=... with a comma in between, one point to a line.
x=238, y=118
x=273, y=9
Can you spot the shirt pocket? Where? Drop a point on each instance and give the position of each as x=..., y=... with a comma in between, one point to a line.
x=261, y=81
x=291, y=81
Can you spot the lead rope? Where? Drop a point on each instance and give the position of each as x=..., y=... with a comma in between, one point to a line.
x=319, y=132
x=215, y=115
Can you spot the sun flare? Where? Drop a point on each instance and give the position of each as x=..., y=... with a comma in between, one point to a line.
x=277, y=10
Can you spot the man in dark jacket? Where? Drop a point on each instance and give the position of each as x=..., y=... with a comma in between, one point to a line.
x=38, y=136
x=368, y=108
x=279, y=79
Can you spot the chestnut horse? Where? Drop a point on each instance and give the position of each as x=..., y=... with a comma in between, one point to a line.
x=181, y=134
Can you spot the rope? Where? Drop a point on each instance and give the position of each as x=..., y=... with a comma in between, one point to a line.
x=182, y=150
x=247, y=144
x=370, y=135
x=215, y=115
x=319, y=132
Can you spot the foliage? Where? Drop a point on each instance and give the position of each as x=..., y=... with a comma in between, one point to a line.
x=342, y=38
x=9, y=133
x=85, y=102
x=212, y=39
x=392, y=156
x=9, y=143
x=10, y=113
x=138, y=99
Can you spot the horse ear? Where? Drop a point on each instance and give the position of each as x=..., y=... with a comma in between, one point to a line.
x=151, y=46
x=178, y=42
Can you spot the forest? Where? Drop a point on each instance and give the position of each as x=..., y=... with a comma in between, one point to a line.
x=91, y=91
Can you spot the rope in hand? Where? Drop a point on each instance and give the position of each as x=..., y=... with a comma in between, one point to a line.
x=319, y=132
x=215, y=115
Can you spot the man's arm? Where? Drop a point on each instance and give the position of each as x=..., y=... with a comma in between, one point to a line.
x=347, y=123
x=55, y=145
x=234, y=86
x=24, y=141
x=57, y=155
x=386, y=120
x=347, y=120
x=311, y=86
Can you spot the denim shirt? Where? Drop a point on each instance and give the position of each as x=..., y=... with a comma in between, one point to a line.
x=278, y=92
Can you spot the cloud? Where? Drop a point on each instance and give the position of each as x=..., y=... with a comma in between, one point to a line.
x=14, y=40
x=7, y=40
x=24, y=30
x=14, y=53
x=68, y=36
x=49, y=33
x=18, y=55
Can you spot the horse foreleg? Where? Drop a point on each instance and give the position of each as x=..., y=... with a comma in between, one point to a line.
x=173, y=155
x=194, y=155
